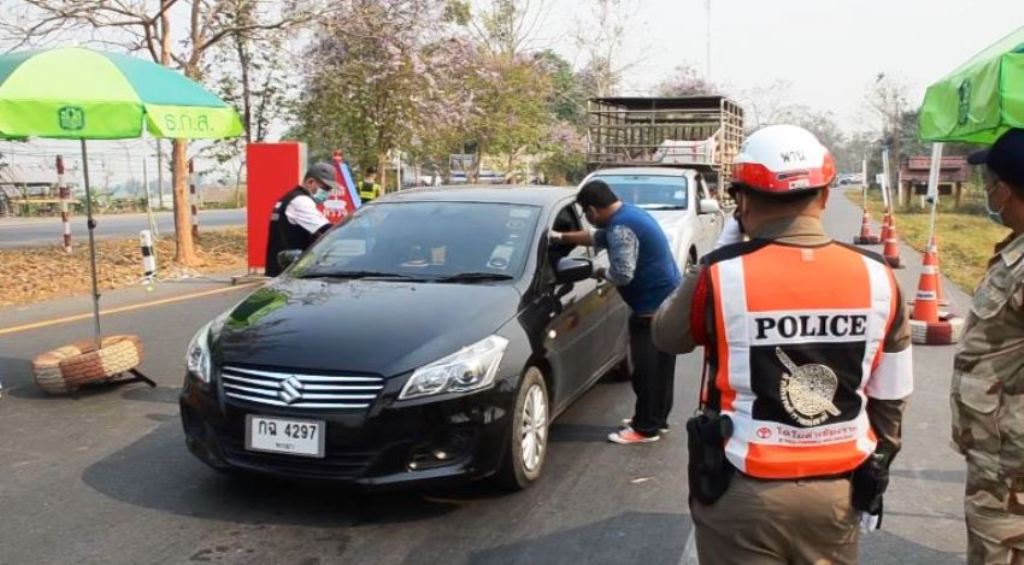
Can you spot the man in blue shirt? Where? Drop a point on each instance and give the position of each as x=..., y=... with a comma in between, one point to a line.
x=643, y=270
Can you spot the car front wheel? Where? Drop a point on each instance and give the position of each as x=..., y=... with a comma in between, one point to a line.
x=528, y=445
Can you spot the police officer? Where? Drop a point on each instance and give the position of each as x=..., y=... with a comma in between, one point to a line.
x=296, y=222
x=808, y=368
x=643, y=270
x=988, y=381
x=369, y=190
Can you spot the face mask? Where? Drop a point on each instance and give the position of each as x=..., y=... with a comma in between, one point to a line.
x=321, y=195
x=994, y=215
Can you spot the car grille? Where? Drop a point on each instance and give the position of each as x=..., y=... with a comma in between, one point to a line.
x=300, y=390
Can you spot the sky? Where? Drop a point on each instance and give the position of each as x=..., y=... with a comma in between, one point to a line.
x=829, y=50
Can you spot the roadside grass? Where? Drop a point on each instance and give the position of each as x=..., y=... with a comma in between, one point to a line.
x=965, y=238
x=37, y=274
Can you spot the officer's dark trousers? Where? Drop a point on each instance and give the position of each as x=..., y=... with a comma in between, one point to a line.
x=653, y=373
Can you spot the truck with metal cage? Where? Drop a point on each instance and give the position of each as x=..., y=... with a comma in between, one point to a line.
x=670, y=156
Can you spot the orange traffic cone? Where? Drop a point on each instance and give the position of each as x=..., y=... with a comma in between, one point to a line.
x=933, y=247
x=886, y=225
x=865, y=237
x=926, y=303
x=891, y=251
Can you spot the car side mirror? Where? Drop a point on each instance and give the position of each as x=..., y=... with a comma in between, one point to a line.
x=287, y=257
x=572, y=269
x=709, y=206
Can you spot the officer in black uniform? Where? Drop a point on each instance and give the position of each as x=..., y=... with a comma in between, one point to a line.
x=296, y=222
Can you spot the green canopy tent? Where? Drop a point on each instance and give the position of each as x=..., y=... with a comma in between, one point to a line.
x=76, y=93
x=979, y=100
x=975, y=103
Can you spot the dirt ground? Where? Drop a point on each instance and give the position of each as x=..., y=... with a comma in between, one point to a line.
x=42, y=273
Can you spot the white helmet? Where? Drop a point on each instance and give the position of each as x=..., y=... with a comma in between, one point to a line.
x=781, y=159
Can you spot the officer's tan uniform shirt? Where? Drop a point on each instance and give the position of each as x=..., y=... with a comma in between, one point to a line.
x=987, y=402
x=672, y=332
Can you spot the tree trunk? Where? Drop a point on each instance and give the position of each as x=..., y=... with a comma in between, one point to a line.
x=244, y=61
x=382, y=172
x=186, y=252
x=510, y=173
x=238, y=187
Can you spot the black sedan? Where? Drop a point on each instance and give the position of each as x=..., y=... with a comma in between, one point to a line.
x=434, y=336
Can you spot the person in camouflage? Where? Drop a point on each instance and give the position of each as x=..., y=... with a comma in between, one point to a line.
x=987, y=396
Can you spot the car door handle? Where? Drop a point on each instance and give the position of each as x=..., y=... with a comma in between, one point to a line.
x=602, y=288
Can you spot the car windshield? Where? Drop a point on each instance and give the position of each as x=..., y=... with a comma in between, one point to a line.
x=434, y=241
x=650, y=192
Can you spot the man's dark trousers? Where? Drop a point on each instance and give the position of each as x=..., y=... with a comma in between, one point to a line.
x=653, y=375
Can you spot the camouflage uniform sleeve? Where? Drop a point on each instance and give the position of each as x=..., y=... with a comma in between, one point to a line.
x=891, y=383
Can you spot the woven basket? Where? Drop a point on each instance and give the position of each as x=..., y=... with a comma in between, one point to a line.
x=70, y=367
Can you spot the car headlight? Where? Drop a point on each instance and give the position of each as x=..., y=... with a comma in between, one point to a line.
x=198, y=357
x=470, y=369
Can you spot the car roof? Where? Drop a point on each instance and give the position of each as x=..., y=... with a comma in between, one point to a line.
x=531, y=195
x=642, y=171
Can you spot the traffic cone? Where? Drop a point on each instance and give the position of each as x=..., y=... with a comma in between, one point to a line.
x=865, y=237
x=933, y=247
x=891, y=251
x=886, y=226
x=926, y=303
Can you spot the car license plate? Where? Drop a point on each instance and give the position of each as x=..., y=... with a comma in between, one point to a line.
x=279, y=435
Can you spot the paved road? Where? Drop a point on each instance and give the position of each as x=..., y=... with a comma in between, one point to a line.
x=29, y=232
x=105, y=478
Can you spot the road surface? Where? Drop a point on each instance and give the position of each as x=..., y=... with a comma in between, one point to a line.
x=32, y=232
x=106, y=478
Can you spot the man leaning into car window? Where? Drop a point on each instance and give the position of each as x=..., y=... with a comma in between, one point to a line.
x=642, y=268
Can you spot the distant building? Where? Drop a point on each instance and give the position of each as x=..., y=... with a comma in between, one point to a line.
x=24, y=185
x=953, y=173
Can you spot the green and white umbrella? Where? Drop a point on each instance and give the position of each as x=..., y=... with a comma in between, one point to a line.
x=979, y=100
x=76, y=93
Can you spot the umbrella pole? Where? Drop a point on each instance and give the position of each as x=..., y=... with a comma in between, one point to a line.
x=933, y=185
x=92, y=245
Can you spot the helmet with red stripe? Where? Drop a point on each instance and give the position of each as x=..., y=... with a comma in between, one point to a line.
x=782, y=159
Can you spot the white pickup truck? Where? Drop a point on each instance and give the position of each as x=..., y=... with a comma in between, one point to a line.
x=678, y=198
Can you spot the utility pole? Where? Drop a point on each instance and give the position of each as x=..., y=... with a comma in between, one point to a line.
x=160, y=175
x=707, y=53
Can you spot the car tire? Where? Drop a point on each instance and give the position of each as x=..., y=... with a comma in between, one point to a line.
x=522, y=464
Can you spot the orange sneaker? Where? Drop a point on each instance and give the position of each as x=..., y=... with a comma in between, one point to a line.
x=627, y=436
x=628, y=422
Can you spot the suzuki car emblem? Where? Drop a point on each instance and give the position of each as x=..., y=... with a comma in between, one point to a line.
x=291, y=390
x=807, y=391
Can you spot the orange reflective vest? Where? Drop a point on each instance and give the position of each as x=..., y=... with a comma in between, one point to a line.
x=796, y=353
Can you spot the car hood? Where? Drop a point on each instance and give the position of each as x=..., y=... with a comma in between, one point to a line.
x=669, y=219
x=362, y=326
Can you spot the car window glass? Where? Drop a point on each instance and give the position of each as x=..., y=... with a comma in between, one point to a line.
x=567, y=220
x=651, y=192
x=430, y=239
x=702, y=188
